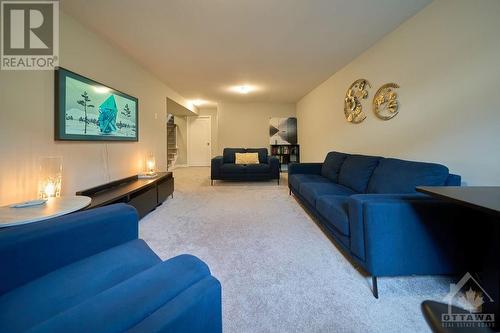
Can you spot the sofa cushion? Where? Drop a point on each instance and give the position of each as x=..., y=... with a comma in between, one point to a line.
x=45, y=297
x=228, y=154
x=356, y=171
x=312, y=191
x=296, y=180
x=257, y=168
x=231, y=169
x=398, y=176
x=331, y=165
x=126, y=304
x=335, y=209
x=261, y=151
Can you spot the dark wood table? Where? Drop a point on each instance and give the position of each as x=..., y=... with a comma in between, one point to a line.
x=482, y=198
x=485, y=200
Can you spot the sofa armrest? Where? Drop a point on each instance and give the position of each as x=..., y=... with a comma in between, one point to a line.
x=197, y=309
x=215, y=166
x=304, y=168
x=404, y=234
x=274, y=165
x=453, y=180
x=32, y=250
x=143, y=301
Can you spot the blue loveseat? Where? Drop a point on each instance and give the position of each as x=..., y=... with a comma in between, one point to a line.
x=368, y=204
x=89, y=272
x=224, y=167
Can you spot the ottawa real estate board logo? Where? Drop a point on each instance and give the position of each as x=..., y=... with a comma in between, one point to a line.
x=29, y=35
x=472, y=298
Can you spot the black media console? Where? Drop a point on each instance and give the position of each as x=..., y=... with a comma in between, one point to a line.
x=144, y=194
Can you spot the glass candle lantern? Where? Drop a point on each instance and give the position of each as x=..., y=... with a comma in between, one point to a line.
x=50, y=177
x=150, y=163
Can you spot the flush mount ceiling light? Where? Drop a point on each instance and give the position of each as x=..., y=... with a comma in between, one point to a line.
x=198, y=102
x=243, y=89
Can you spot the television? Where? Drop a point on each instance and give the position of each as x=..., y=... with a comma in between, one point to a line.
x=86, y=110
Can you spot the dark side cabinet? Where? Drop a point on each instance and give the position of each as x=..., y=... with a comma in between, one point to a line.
x=144, y=194
x=144, y=200
x=165, y=189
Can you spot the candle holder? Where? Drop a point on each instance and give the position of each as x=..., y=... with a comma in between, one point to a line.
x=50, y=177
x=150, y=165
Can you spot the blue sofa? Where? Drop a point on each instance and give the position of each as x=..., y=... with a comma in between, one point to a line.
x=224, y=167
x=89, y=272
x=369, y=205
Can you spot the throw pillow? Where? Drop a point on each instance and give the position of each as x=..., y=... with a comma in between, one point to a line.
x=247, y=158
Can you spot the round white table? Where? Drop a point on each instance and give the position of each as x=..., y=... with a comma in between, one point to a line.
x=52, y=208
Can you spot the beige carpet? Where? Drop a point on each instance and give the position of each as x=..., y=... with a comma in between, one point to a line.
x=279, y=272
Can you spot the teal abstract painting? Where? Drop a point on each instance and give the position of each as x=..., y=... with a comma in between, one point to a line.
x=88, y=110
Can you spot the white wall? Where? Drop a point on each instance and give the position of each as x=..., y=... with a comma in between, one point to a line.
x=27, y=118
x=447, y=61
x=247, y=124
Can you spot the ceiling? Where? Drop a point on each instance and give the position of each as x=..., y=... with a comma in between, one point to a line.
x=284, y=48
x=178, y=110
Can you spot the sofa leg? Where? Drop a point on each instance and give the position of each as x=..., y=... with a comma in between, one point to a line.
x=211, y=182
x=374, y=286
x=278, y=181
x=289, y=191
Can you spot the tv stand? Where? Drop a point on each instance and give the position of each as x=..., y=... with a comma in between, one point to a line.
x=144, y=194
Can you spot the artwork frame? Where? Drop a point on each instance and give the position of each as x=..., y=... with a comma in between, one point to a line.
x=353, y=109
x=114, y=119
x=385, y=101
x=283, y=131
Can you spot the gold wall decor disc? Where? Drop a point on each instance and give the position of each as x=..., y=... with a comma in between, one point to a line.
x=385, y=101
x=353, y=109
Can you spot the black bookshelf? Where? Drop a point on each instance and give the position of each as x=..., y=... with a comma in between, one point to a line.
x=286, y=154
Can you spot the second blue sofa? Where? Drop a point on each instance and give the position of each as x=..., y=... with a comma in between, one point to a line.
x=89, y=272
x=224, y=167
x=370, y=207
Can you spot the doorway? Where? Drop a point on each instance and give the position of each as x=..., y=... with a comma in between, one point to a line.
x=199, y=141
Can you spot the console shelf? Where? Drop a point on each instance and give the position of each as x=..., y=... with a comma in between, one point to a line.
x=144, y=194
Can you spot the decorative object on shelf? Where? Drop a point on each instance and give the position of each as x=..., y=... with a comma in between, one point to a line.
x=283, y=131
x=385, y=101
x=150, y=164
x=87, y=110
x=353, y=109
x=286, y=154
x=50, y=177
x=145, y=175
x=30, y=203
